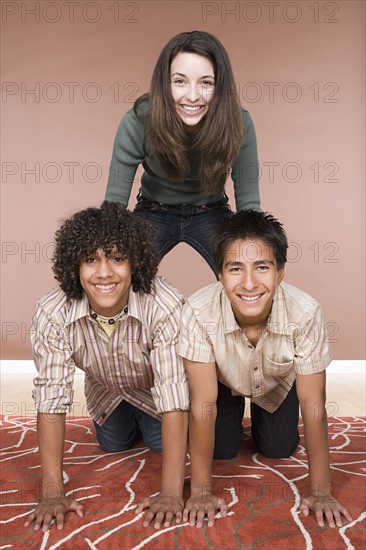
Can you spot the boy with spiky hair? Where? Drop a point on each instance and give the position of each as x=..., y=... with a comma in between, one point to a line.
x=251, y=335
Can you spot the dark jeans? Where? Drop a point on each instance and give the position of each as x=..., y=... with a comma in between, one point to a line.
x=193, y=225
x=124, y=425
x=276, y=435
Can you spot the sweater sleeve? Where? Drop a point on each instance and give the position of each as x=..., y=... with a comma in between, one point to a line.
x=128, y=153
x=245, y=172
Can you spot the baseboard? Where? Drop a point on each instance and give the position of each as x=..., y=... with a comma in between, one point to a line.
x=27, y=367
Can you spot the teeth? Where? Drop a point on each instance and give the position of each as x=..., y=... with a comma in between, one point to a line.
x=106, y=287
x=191, y=109
x=250, y=298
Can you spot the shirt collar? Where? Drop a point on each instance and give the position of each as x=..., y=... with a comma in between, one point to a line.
x=230, y=324
x=80, y=308
x=278, y=321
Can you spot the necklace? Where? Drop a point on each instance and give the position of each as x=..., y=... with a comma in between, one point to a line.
x=109, y=320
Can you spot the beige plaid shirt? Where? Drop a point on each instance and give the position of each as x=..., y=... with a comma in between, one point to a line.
x=293, y=342
x=138, y=362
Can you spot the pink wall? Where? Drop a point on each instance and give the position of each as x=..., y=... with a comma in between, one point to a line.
x=300, y=72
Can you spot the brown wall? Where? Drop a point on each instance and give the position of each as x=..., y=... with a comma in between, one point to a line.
x=300, y=72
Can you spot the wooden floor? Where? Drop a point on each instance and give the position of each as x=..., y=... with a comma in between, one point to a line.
x=345, y=395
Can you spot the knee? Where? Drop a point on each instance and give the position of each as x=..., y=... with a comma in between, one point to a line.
x=150, y=429
x=154, y=443
x=112, y=444
x=275, y=451
x=226, y=452
x=225, y=455
x=113, y=447
x=155, y=447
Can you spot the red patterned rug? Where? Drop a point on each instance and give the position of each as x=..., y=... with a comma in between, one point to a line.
x=263, y=495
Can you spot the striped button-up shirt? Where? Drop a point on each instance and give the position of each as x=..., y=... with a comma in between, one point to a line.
x=294, y=342
x=138, y=362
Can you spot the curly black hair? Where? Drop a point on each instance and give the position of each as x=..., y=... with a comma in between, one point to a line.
x=249, y=224
x=109, y=227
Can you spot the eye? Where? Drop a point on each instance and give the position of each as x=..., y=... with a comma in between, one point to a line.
x=119, y=259
x=179, y=81
x=207, y=83
x=90, y=260
x=262, y=268
x=235, y=269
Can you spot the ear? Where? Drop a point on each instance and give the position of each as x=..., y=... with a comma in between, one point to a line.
x=220, y=277
x=280, y=275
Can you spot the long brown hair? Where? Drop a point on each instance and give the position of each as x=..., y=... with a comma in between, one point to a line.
x=217, y=137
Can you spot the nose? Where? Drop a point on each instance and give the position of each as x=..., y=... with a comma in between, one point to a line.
x=105, y=268
x=193, y=93
x=249, y=280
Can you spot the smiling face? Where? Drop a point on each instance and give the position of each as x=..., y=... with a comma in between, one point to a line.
x=250, y=278
x=192, y=81
x=106, y=281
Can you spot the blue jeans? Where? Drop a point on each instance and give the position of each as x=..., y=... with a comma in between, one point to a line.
x=124, y=425
x=193, y=225
x=276, y=435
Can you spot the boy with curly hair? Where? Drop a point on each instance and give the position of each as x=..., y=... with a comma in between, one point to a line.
x=113, y=318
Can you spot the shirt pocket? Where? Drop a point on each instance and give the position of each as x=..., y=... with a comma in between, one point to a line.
x=275, y=369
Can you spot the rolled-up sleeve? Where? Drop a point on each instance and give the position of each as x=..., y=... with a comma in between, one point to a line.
x=53, y=387
x=170, y=391
x=193, y=342
x=312, y=352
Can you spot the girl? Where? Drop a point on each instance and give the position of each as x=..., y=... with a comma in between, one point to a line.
x=189, y=132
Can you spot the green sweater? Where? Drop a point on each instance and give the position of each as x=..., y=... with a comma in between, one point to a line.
x=131, y=148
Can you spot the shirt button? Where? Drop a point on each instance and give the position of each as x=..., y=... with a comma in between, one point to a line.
x=250, y=346
x=256, y=387
x=255, y=368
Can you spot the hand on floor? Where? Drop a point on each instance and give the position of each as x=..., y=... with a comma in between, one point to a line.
x=48, y=509
x=162, y=509
x=327, y=506
x=198, y=506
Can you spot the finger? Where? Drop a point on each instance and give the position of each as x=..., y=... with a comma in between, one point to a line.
x=77, y=507
x=304, y=510
x=223, y=506
x=38, y=522
x=80, y=511
x=200, y=518
x=345, y=512
x=211, y=517
x=168, y=519
x=149, y=516
x=329, y=515
x=60, y=519
x=319, y=515
x=142, y=506
x=337, y=517
x=159, y=518
x=30, y=519
x=305, y=507
x=178, y=516
x=192, y=516
x=185, y=514
x=47, y=521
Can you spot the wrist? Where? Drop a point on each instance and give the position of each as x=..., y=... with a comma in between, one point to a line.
x=201, y=489
x=52, y=490
x=168, y=490
x=320, y=489
x=171, y=494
